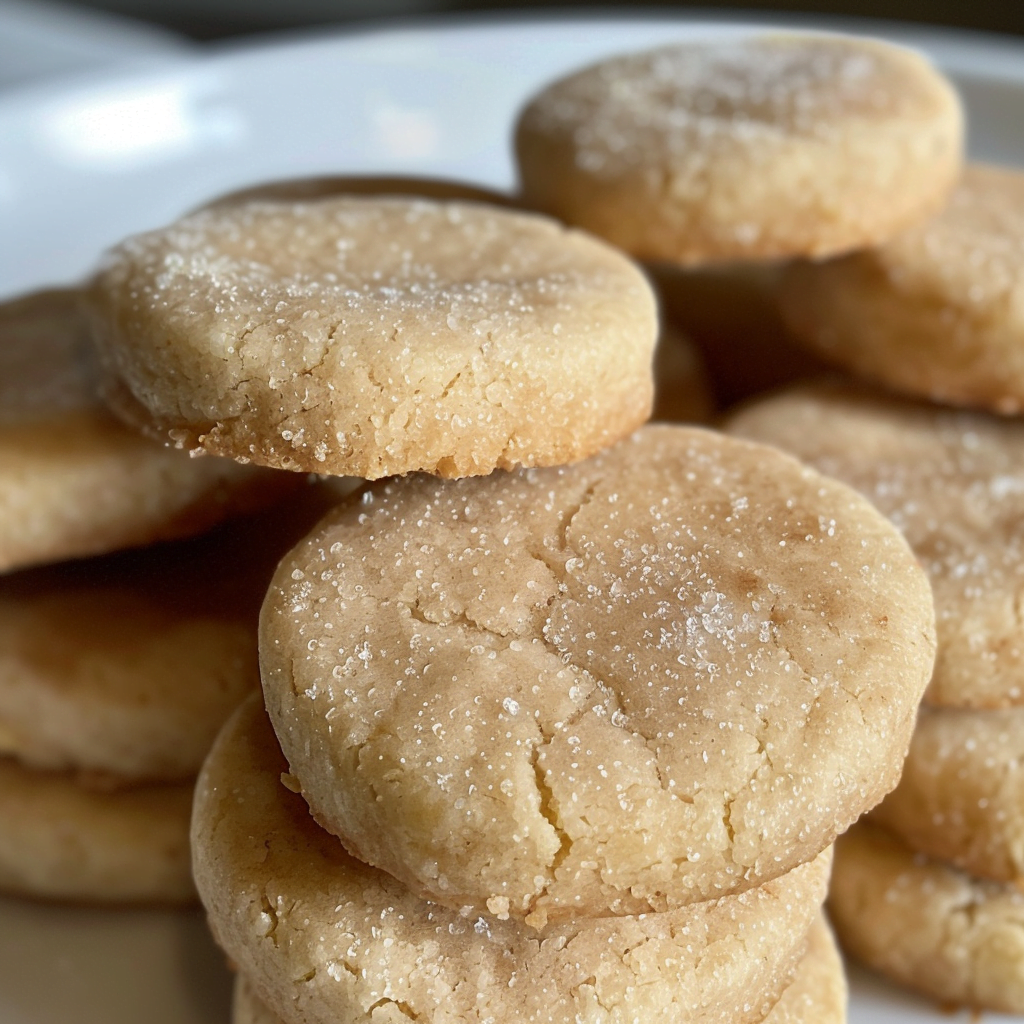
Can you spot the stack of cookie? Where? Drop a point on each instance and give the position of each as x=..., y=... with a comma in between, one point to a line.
x=929, y=891
x=117, y=667
x=563, y=715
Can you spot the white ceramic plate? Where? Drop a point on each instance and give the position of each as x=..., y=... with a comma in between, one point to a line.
x=81, y=167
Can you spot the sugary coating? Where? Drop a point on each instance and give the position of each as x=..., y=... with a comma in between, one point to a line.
x=62, y=840
x=937, y=311
x=326, y=938
x=762, y=147
x=926, y=925
x=370, y=336
x=953, y=483
x=673, y=671
x=961, y=797
x=129, y=664
x=74, y=481
x=816, y=995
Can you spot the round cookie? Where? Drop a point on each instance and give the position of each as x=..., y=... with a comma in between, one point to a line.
x=62, y=840
x=816, y=994
x=324, y=937
x=961, y=796
x=130, y=663
x=74, y=481
x=376, y=336
x=673, y=671
x=953, y=482
x=937, y=311
x=757, y=147
x=927, y=925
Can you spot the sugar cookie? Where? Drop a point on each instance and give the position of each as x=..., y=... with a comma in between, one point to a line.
x=673, y=671
x=324, y=937
x=953, y=482
x=816, y=994
x=130, y=663
x=761, y=147
x=937, y=311
x=373, y=336
x=926, y=925
x=961, y=797
x=74, y=481
x=62, y=840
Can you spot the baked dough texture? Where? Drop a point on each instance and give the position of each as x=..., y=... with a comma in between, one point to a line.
x=953, y=482
x=761, y=147
x=324, y=937
x=961, y=797
x=73, y=480
x=62, y=840
x=816, y=994
x=926, y=925
x=130, y=663
x=673, y=671
x=937, y=311
x=369, y=336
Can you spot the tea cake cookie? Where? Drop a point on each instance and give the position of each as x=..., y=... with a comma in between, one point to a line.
x=671, y=672
x=937, y=311
x=324, y=937
x=747, y=147
x=815, y=995
x=953, y=482
x=927, y=925
x=74, y=481
x=129, y=664
x=961, y=797
x=65, y=840
x=369, y=336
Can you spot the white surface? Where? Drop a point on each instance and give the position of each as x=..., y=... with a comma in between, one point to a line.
x=81, y=167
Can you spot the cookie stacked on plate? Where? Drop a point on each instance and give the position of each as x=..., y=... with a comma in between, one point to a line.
x=117, y=667
x=929, y=891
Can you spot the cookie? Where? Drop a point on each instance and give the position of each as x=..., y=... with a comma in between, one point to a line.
x=295, y=189
x=682, y=393
x=953, y=482
x=961, y=797
x=731, y=314
x=673, y=671
x=129, y=664
x=372, y=336
x=760, y=147
x=325, y=937
x=936, y=312
x=75, y=482
x=816, y=994
x=926, y=925
x=62, y=840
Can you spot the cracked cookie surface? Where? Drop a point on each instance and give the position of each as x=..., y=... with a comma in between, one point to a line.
x=324, y=937
x=73, y=480
x=370, y=336
x=673, y=671
x=760, y=147
x=927, y=925
x=953, y=483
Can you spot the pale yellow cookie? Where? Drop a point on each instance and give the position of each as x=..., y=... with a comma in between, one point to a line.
x=816, y=994
x=323, y=937
x=371, y=336
x=673, y=671
x=760, y=147
x=961, y=797
x=74, y=481
x=130, y=663
x=953, y=482
x=926, y=925
x=937, y=311
x=64, y=840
